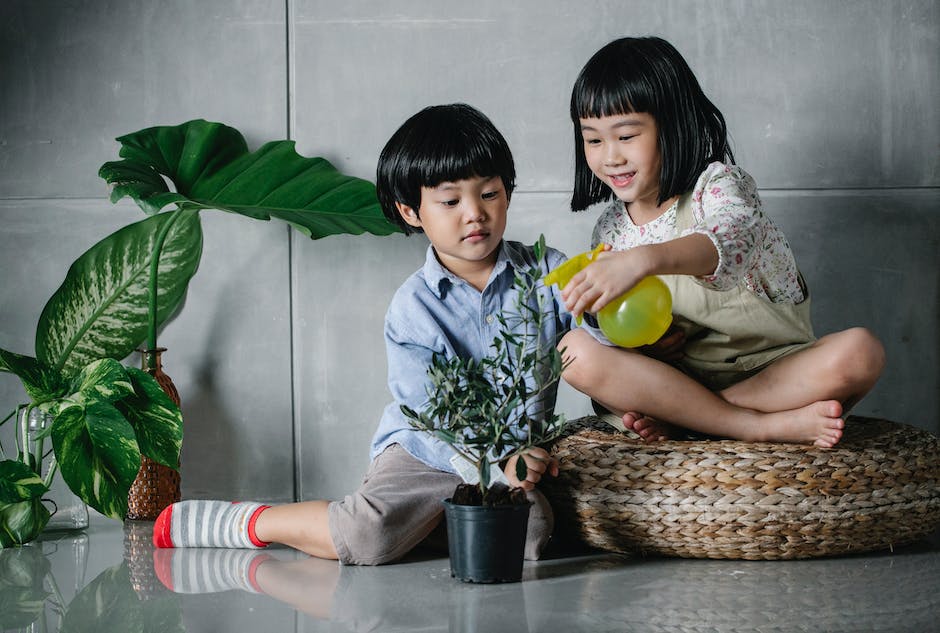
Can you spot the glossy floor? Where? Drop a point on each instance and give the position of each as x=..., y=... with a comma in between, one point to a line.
x=109, y=579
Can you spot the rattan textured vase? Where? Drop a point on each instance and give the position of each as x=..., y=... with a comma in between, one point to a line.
x=877, y=489
x=156, y=485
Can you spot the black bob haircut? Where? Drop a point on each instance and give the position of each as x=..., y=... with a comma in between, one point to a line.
x=443, y=143
x=648, y=75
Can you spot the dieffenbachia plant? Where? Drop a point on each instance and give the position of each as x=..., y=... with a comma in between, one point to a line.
x=117, y=294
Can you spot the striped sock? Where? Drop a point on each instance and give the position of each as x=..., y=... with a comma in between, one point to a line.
x=203, y=523
x=208, y=570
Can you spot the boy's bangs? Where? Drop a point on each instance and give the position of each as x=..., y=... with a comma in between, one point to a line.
x=452, y=158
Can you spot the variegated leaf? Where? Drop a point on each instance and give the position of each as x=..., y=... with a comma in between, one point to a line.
x=100, y=310
x=211, y=168
x=109, y=603
x=98, y=455
x=41, y=382
x=18, y=482
x=104, y=379
x=157, y=421
x=21, y=522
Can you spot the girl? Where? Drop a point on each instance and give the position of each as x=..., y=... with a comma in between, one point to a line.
x=741, y=360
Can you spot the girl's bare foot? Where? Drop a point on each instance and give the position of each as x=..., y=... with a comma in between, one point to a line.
x=650, y=429
x=819, y=424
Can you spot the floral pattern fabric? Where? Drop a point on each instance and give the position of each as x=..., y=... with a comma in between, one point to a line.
x=726, y=207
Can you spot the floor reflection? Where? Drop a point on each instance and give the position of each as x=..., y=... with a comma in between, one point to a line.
x=114, y=580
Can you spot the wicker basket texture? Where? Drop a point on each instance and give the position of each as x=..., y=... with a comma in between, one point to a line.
x=724, y=499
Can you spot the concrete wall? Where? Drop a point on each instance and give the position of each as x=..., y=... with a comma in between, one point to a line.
x=278, y=352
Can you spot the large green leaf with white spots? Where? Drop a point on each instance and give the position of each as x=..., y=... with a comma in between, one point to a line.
x=211, y=168
x=98, y=454
x=41, y=382
x=22, y=522
x=157, y=421
x=101, y=309
x=104, y=379
x=18, y=482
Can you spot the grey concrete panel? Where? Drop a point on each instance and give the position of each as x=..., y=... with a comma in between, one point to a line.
x=229, y=354
x=342, y=286
x=817, y=95
x=73, y=76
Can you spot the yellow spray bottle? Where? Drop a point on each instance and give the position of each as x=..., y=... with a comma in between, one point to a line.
x=638, y=317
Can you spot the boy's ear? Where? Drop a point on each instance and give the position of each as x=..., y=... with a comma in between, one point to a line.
x=409, y=215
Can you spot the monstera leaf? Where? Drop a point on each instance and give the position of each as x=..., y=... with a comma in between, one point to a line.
x=211, y=168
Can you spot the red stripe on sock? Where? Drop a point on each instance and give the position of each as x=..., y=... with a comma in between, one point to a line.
x=161, y=529
x=253, y=571
x=163, y=567
x=251, y=528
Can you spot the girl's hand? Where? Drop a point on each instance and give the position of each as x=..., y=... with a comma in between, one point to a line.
x=613, y=274
x=538, y=462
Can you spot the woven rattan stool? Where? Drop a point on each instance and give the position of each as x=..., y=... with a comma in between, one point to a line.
x=878, y=488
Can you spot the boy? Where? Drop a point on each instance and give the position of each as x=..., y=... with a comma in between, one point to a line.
x=449, y=173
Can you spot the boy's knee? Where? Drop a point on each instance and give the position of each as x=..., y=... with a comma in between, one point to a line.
x=366, y=537
x=540, y=527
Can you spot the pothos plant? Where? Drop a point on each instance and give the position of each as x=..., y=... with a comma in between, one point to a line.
x=499, y=406
x=117, y=294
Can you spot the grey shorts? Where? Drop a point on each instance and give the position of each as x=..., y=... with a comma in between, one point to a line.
x=399, y=504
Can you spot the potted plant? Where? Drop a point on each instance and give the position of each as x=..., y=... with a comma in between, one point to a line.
x=116, y=295
x=489, y=410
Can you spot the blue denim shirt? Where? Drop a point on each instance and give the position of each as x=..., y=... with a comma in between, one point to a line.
x=437, y=311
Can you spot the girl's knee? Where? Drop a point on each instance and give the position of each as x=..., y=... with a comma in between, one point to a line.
x=579, y=350
x=858, y=358
x=867, y=352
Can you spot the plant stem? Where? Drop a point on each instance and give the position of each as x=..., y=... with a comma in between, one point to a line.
x=152, y=290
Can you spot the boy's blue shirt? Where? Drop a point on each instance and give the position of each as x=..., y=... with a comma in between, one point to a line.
x=437, y=311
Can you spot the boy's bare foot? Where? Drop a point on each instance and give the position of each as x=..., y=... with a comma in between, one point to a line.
x=819, y=424
x=650, y=429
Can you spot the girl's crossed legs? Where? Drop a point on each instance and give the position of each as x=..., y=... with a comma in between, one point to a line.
x=800, y=398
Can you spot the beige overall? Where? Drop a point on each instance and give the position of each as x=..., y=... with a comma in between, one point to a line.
x=732, y=334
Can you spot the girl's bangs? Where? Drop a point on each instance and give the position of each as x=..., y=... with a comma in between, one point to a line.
x=610, y=94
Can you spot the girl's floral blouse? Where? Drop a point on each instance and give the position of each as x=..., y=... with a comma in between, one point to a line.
x=725, y=207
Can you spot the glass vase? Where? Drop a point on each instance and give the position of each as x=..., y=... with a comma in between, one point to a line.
x=68, y=511
x=156, y=485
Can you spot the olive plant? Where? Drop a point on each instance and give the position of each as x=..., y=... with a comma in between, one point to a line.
x=499, y=406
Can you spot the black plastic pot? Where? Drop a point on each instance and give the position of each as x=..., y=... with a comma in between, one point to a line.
x=486, y=543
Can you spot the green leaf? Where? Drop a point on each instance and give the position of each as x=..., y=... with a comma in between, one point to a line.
x=211, y=167
x=23, y=572
x=104, y=379
x=98, y=455
x=41, y=382
x=522, y=470
x=100, y=310
x=21, y=522
x=107, y=603
x=18, y=482
x=156, y=419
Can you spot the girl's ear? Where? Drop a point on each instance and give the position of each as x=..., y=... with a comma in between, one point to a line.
x=409, y=215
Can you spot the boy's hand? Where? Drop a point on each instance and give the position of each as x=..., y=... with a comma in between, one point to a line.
x=538, y=462
x=668, y=348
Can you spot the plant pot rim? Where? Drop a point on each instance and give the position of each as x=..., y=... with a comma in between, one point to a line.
x=502, y=506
